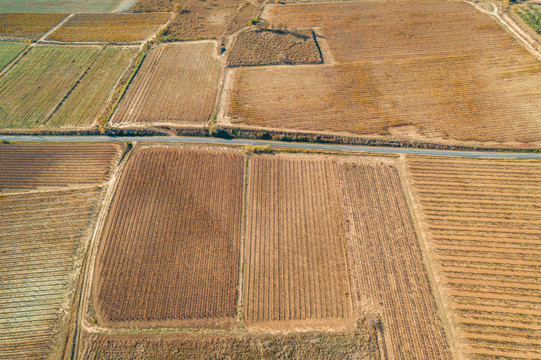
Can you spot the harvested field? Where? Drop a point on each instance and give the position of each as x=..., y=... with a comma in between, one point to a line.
x=296, y=262
x=85, y=103
x=9, y=52
x=43, y=240
x=176, y=84
x=440, y=66
x=56, y=6
x=360, y=344
x=483, y=229
x=109, y=27
x=389, y=274
x=31, y=89
x=27, y=26
x=154, y=6
x=267, y=47
x=170, y=248
x=33, y=165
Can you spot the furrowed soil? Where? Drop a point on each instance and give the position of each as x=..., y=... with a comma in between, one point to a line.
x=109, y=27
x=43, y=240
x=483, y=230
x=177, y=84
x=27, y=26
x=361, y=344
x=170, y=247
x=66, y=6
x=267, y=47
x=8, y=53
x=441, y=67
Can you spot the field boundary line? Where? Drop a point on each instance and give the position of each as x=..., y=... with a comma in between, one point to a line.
x=224, y=96
x=422, y=242
x=90, y=256
x=54, y=28
x=242, y=245
x=124, y=6
x=53, y=189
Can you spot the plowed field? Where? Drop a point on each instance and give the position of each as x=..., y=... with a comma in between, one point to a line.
x=483, y=228
x=296, y=262
x=27, y=26
x=43, y=239
x=8, y=53
x=31, y=165
x=441, y=66
x=177, y=84
x=109, y=27
x=170, y=249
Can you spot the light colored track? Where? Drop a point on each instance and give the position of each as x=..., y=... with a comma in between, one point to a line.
x=279, y=144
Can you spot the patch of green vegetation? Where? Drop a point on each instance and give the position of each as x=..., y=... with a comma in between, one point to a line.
x=257, y=149
x=531, y=16
x=9, y=51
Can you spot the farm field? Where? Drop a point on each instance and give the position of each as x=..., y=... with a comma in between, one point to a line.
x=72, y=97
x=85, y=103
x=267, y=47
x=170, y=249
x=483, y=229
x=154, y=6
x=296, y=264
x=176, y=84
x=9, y=52
x=531, y=15
x=109, y=27
x=58, y=6
x=440, y=67
x=43, y=239
x=27, y=26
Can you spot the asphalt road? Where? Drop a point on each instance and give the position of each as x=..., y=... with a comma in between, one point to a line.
x=278, y=144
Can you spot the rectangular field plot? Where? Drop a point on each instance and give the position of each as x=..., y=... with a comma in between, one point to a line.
x=60, y=85
x=27, y=26
x=109, y=27
x=8, y=53
x=177, y=84
x=295, y=242
x=58, y=6
x=441, y=67
x=43, y=238
x=33, y=165
x=170, y=248
x=483, y=229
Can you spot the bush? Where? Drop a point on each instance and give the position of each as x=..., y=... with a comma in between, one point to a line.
x=258, y=148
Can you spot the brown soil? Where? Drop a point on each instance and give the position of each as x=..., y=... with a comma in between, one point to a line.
x=170, y=248
x=28, y=26
x=31, y=165
x=267, y=47
x=154, y=5
x=483, y=228
x=109, y=27
x=177, y=83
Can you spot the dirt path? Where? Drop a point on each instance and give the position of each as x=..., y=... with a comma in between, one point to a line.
x=124, y=6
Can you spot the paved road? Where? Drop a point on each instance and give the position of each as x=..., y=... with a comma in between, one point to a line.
x=278, y=144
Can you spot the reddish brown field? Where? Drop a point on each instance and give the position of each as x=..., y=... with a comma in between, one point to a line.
x=27, y=26
x=483, y=229
x=442, y=67
x=170, y=248
x=31, y=165
x=267, y=47
x=296, y=262
x=109, y=27
x=177, y=84
x=389, y=273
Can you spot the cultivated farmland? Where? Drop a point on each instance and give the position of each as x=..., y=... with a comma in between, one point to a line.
x=296, y=262
x=266, y=47
x=170, y=249
x=10, y=51
x=177, y=84
x=27, y=26
x=33, y=165
x=56, y=6
x=43, y=239
x=109, y=27
x=154, y=5
x=483, y=229
x=85, y=103
x=442, y=67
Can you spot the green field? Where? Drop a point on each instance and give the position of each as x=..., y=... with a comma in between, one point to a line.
x=58, y=6
x=9, y=51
